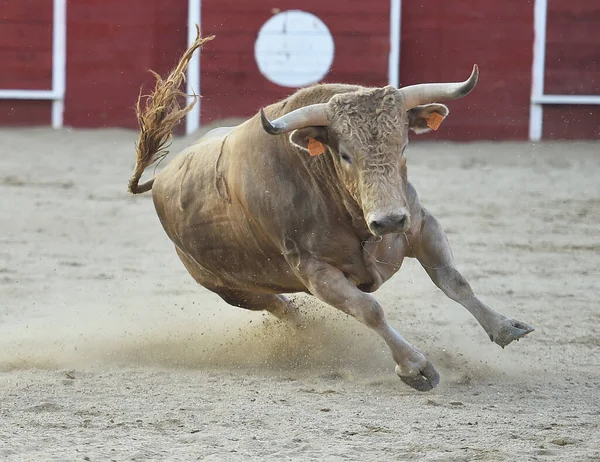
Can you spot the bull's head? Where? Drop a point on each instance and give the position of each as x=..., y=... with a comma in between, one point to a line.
x=366, y=132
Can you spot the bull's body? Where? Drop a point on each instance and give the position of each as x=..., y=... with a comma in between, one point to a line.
x=253, y=216
x=244, y=208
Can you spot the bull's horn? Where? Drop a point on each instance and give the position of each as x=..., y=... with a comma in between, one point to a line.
x=426, y=93
x=309, y=116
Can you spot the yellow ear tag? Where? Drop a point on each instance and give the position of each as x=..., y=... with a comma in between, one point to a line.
x=315, y=147
x=434, y=120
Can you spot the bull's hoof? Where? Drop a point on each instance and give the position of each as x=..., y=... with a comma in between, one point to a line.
x=425, y=379
x=510, y=330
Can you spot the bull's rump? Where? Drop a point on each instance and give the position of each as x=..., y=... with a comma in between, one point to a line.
x=217, y=241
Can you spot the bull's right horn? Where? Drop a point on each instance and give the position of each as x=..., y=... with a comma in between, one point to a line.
x=314, y=115
x=426, y=93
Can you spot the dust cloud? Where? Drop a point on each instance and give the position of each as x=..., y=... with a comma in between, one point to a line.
x=220, y=337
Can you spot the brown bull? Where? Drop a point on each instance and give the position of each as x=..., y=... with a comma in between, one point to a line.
x=310, y=195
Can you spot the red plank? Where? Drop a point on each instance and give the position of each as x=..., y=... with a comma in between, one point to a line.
x=237, y=22
x=571, y=122
x=572, y=51
x=317, y=7
x=19, y=112
x=26, y=11
x=112, y=45
x=572, y=67
x=26, y=45
x=25, y=36
x=569, y=81
x=27, y=70
x=442, y=42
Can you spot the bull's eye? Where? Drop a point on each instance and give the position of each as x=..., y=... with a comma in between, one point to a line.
x=345, y=157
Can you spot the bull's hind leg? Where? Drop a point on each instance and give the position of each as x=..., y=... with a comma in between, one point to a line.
x=277, y=305
x=433, y=251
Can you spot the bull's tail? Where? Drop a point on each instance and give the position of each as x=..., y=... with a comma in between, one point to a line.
x=161, y=111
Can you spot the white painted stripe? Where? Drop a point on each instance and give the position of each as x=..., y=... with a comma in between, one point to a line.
x=535, y=122
x=566, y=99
x=394, y=56
x=29, y=94
x=192, y=120
x=59, y=61
x=537, y=72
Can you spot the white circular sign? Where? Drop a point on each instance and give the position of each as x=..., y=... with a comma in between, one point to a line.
x=294, y=48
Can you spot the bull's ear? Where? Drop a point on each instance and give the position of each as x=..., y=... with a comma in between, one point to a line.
x=302, y=137
x=423, y=119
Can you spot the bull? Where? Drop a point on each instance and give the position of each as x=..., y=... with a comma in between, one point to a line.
x=309, y=195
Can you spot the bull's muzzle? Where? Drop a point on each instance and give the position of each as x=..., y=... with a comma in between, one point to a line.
x=388, y=223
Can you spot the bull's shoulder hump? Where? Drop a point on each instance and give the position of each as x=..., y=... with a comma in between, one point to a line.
x=211, y=135
x=319, y=93
x=210, y=142
x=199, y=156
x=218, y=132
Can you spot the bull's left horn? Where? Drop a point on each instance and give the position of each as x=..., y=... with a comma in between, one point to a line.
x=310, y=116
x=426, y=93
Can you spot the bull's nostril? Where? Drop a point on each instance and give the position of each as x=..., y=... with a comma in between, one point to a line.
x=392, y=223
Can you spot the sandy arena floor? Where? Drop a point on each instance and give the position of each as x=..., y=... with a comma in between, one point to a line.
x=110, y=351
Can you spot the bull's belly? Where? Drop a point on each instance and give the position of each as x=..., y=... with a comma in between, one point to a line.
x=218, y=254
x=235, y=267
x=221, y=265
x=218, y=258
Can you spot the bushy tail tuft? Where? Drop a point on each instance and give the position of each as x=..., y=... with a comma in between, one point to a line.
x=160, y=113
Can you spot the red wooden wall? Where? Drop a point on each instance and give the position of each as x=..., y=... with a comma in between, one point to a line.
x=111, y=46
x=442, y=40
x=232, y=84
x=572, y=66
x=113, y=43
x=26, y=57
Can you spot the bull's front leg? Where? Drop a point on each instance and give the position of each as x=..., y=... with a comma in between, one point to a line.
x=433, y=251
x=331, y=286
